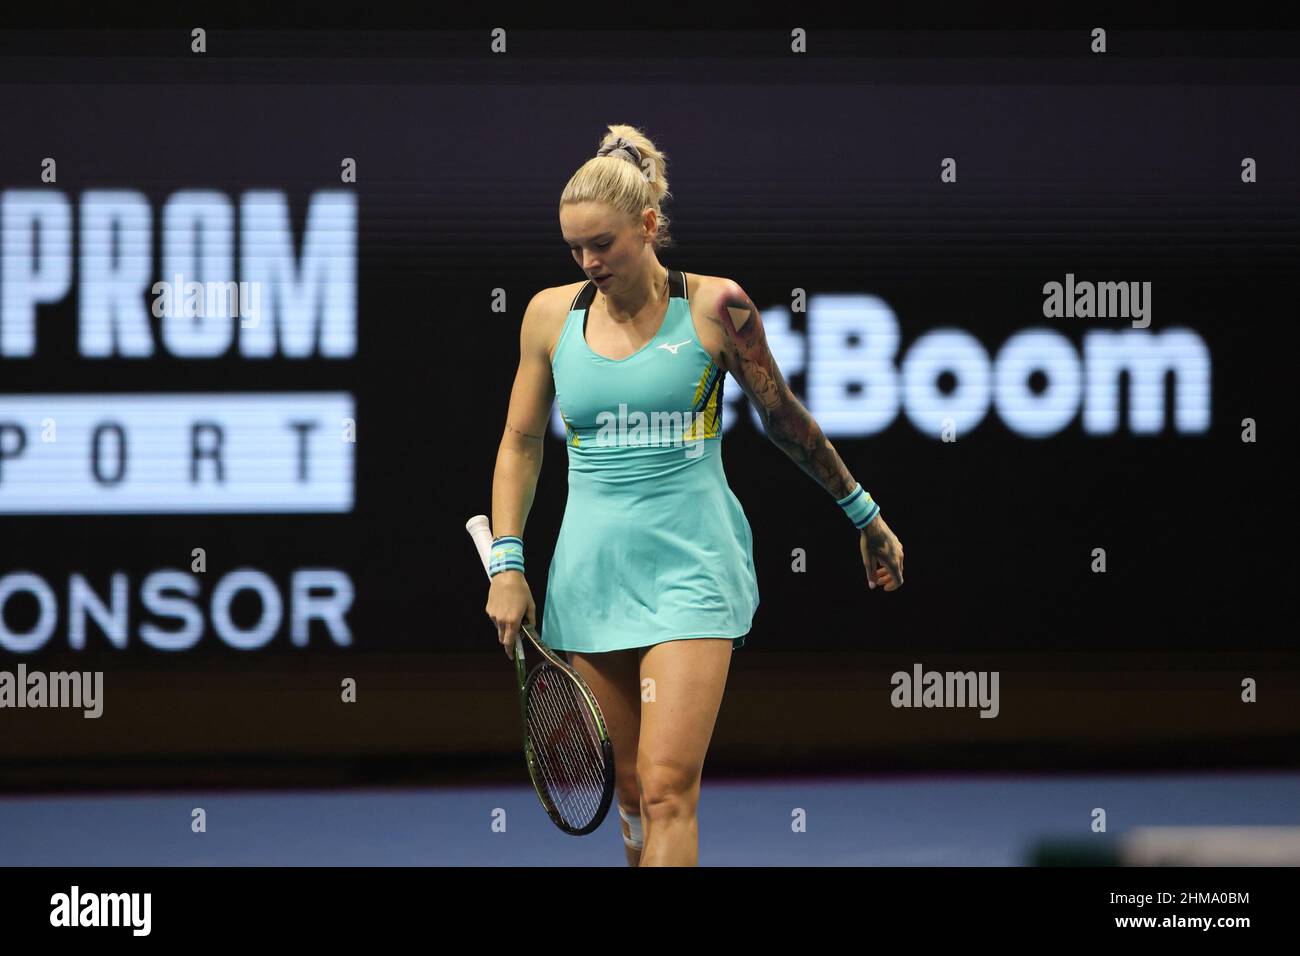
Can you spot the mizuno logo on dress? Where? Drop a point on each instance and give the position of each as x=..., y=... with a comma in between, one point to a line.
x=674, y=348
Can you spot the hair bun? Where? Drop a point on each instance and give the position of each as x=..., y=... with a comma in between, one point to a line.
x=624, y=149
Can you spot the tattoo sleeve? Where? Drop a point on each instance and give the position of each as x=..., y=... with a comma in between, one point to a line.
x=788, y=424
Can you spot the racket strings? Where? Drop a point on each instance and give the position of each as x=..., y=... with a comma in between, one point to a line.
x=570, y=758
x=568, y=775
x=568, y=779
x=567, y=747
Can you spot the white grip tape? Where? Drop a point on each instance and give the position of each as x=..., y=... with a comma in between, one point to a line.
x=480, y=529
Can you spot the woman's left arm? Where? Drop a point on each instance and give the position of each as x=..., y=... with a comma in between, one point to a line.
x=787, y=423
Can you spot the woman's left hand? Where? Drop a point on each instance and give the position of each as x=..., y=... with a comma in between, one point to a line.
x=882, y=555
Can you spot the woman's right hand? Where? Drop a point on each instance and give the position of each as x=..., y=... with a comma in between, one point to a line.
x=510, y=602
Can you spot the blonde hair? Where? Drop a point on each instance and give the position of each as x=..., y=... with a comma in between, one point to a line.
x=613, y=180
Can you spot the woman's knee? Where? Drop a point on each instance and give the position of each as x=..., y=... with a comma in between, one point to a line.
x=668, y=790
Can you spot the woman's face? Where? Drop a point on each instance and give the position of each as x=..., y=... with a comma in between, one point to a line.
x=603, y=243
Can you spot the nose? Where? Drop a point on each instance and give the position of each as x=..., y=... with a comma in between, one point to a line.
x=589, y=266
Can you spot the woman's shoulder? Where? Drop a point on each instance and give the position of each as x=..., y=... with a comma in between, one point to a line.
x=555, y=301
x=697, y=284
x=704, y=292
x=548, y=309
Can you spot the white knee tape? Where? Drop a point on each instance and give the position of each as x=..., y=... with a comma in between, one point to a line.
x=631, y=829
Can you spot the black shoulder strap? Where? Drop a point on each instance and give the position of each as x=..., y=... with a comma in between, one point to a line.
x=585, y=296
x=677, y=284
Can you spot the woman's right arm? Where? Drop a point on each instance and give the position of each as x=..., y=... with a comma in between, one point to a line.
x=519, y=462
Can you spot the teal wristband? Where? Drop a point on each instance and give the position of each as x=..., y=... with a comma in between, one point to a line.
x=858, y=505
x=507, y=555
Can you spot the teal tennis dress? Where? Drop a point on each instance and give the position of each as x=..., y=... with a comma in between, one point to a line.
x=653, y=546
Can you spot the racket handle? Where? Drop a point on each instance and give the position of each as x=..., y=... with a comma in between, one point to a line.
x=480, y=529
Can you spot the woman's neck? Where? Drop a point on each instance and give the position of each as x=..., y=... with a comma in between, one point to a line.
x=626, y=309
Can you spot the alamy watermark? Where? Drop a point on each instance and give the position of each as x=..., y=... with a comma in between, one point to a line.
x=1100, y=300
x=946, y=689
x=179, y=298
x=83, y=690
x=75, y=908
x=654, y=430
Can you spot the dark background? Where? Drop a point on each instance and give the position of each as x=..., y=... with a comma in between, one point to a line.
x=819, y=173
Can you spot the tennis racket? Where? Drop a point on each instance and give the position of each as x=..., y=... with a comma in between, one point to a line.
x=568, y=750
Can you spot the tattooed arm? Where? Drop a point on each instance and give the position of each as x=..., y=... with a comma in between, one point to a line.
x=788, y=424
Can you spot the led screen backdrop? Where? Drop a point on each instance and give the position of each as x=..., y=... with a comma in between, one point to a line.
x=1035, y=314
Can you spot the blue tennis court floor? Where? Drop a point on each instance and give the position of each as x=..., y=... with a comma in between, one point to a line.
x=976, y=820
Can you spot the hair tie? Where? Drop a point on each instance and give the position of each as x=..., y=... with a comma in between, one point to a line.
x=625, y=149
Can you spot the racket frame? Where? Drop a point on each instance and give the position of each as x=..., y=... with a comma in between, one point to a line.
x=480, y=530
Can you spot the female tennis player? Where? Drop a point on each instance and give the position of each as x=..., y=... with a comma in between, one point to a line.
x=652, y=582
